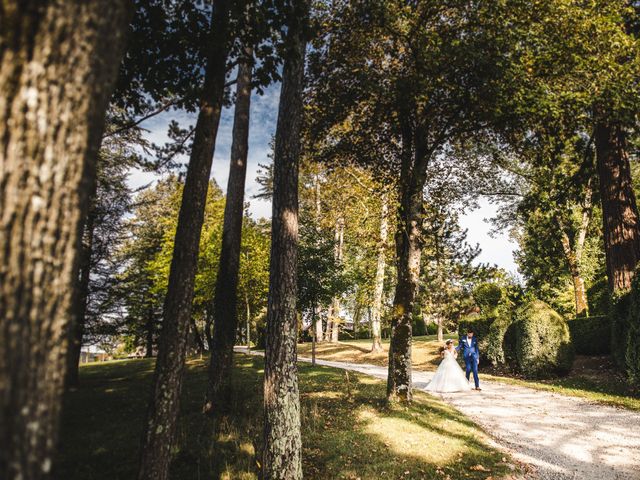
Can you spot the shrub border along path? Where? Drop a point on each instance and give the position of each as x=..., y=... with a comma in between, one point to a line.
x=562, y=437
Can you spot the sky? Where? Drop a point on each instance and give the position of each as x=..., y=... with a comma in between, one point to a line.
x=496, y=250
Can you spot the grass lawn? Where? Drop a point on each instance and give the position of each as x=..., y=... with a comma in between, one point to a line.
x=593, y=378
x=348, y=431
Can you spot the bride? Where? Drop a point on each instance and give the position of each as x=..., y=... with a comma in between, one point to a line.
x=449, y=377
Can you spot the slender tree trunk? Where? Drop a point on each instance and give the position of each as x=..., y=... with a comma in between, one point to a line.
x=619, y=209
x=149, y=332
x=225, y=315
x=319, y=335
x=58, y=63
x=335, y=302
x=329, y=326
x=246, y=298
x=282, y=454
x=160, y=423
x=81, y=296
x=196, y=335
x=376, y=309
x=440, y=329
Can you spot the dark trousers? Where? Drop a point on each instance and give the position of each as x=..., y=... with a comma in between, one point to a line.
x=472, y=366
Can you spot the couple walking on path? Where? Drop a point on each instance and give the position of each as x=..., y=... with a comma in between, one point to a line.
x=449, y=377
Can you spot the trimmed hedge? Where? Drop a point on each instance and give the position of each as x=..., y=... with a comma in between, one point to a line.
x=622, y=309
x=591, y=335
x=632, y=332
x=542, y=341
x=495, y=341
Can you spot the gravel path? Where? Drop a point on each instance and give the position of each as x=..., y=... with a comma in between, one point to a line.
x=561, y=437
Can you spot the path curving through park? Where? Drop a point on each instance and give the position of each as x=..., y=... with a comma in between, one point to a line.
x=561, y=437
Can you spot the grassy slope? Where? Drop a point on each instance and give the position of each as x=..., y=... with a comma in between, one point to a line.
x=597, y=382
x=348, y=432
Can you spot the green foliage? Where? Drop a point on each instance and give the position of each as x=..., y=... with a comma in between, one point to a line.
x=632, y=330
x=495, y=340
x=487, y=296
x=418, y=326
x=591, y=335
x=542, y=341
x=622, y=308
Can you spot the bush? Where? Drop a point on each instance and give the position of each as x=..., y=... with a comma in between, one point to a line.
x=432, y=328
x=621, y=312
x=480, y=326
x=487, y=296
x=495, y=341
x=591, y=335
x=632, y=332
x=542, y=341
x=418, y=326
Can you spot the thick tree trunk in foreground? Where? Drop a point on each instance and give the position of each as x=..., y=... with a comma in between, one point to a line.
x=408, y=257
x=81, y=295
x=225, y=315
x=376, y=309
x=408, y=250
x=160, y=423
x=282, y=454
x=619, y=209
x=58, y=62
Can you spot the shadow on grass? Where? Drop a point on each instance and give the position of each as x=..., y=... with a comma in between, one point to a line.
x=348, y=430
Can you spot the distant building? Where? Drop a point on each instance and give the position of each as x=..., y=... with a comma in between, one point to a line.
x=93, y=353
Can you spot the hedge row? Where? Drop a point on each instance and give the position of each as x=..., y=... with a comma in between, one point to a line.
x=591, y=335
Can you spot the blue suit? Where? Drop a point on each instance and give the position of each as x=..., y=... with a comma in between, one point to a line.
x=471, y=355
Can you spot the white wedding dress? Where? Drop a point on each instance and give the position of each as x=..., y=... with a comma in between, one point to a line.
x=449, y=377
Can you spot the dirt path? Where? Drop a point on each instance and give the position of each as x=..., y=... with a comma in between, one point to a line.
x=562, y=437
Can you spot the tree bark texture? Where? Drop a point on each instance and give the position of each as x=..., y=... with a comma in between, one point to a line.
x=58, y=63
x=376, y=310
x=160, y=423
x=335, y=302
x=282, y=453
x=225, y=315
x=619, y=209
x=408, y=240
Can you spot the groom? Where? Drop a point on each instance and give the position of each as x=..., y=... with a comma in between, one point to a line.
x=471, y=355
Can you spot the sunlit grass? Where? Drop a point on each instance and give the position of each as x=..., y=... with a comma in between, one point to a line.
x=348, y=430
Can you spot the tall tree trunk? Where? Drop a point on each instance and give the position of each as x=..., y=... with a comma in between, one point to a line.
x=160, y=423
x=335, y=302
x=282, y=454
x=619, y=209
x=248, y=310
x=376, y=309
x=149, y=332
x=440, y=329
x=408, y=250
x=319, y=335
x=58, y=63
x=225, y=314
x=81, y=296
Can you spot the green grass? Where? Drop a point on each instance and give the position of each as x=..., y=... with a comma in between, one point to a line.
x=348, y=430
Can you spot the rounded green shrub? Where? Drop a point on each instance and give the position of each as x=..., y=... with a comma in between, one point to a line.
x=542, y=341
x=631, y=329
x=487, y=296
x=591, y=335
x=495, y=340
